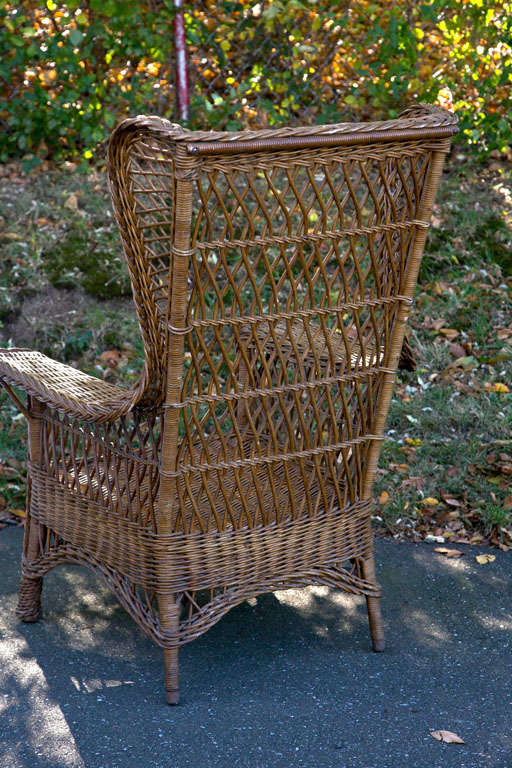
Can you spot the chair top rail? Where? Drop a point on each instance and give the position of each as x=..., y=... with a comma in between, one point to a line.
x=421, y=121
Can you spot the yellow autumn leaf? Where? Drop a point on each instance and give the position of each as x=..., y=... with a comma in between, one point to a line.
x=483, y=559
x=413, y=441
x=384, y=497
x=430, y=501
x=498, y=386
x=18, y=512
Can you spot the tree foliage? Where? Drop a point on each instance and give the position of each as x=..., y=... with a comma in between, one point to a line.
x=70, y=70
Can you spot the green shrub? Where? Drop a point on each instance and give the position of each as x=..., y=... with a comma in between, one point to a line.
x=70, y=70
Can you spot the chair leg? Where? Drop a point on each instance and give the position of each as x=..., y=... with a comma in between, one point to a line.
x=169, y=619
x=29, y=599
x=29, y=595
x=171, y=672
x=373, y=607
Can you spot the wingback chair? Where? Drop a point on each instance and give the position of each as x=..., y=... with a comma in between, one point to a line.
x=273, y=272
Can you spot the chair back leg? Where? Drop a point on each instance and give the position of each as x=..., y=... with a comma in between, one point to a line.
x=367, y=568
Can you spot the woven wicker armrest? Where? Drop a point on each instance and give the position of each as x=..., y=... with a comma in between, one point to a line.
x=62, y=387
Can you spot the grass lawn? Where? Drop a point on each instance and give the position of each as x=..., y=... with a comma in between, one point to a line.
x=446, y=465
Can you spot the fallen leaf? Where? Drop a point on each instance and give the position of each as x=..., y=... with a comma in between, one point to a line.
x=442, y=287
x=71, y=202
x=384, y=497
x=504, y=333
x=465, y=362
x=451, y=501
x=447, y=737
x=429, y=501
x=111, y=357
x=449, y=333
x=483, y=559
x=457, y=350
x=412, y=481
x=18, y=512
x=448, y=552
x=498, y=386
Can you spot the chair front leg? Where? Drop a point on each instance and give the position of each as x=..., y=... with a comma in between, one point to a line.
x=29, y=596
x=170, y=622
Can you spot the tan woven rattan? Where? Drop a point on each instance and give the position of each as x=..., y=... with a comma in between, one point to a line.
x=273, y=273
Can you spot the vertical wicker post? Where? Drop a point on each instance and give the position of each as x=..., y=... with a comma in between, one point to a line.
x=367, y=564
x=169, y=610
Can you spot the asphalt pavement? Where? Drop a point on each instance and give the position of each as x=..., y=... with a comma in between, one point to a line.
x=286, y=680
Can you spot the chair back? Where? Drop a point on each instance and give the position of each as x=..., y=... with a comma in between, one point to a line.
x=273, y=273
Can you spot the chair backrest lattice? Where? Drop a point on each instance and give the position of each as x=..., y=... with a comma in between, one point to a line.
x=302, y=261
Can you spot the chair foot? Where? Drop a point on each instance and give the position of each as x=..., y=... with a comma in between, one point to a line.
x=172, y=697
x=29, y=599
x=376, y=626
x=171, y=671
x=367, y=568
x=378, y=645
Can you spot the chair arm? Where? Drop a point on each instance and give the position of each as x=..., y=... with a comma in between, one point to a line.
x=62, y=387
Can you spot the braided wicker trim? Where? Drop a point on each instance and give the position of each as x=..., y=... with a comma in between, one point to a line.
x=273, y=459
x=299, y=313
x=250, y=394
x=176, y=562
x=313, y=237
x=310, y=157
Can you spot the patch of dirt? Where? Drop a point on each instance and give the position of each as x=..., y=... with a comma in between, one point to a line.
x=56, y=307
x=42, y=310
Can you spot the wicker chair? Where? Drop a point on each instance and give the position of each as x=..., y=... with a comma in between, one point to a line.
x=273, y=272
